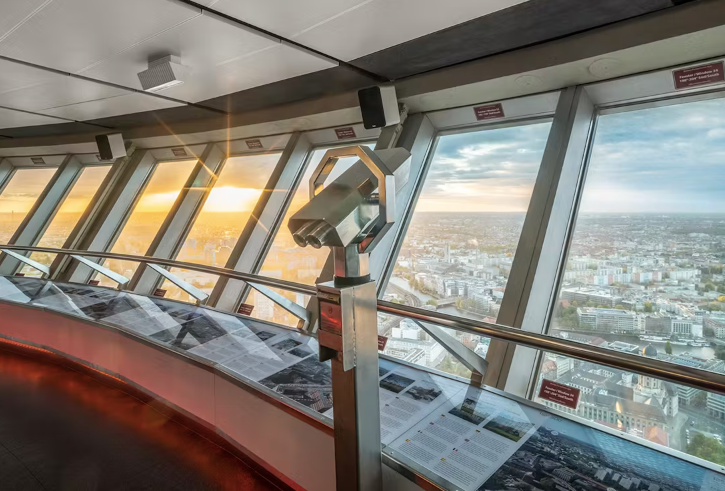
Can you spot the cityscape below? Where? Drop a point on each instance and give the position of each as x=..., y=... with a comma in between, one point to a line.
x=646, y=284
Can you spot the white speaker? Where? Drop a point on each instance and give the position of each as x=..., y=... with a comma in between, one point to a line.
x=111, y=147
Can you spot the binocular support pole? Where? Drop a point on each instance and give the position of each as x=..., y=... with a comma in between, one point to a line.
x=348, y=336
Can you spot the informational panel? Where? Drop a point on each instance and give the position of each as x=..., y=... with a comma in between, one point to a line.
x=481, y=441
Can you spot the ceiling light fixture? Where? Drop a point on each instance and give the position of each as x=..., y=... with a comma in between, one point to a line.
x=163, y=73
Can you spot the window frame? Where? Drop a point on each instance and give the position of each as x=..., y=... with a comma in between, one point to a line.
x=629, y=93
x=519, y=111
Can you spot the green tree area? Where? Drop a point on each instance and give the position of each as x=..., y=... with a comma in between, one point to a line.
x=711, y=307
x=720, y=352
x=418, y=285
x=707, y=448
x=668, y=348
x=567, y=317
x=466, y=304
x=432, y=302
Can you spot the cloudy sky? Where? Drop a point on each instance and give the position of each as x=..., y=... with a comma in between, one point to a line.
x=492, y=170
x=669, y=159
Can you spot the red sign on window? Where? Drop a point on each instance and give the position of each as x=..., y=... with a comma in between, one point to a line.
x=696, y=76
x=94, y=282
x=245, y=309
x=252, y=144
x=382, y=341
x=492, y=111
x=344, y=133
x=159, y=292
x=559, y=393
x=19, y=274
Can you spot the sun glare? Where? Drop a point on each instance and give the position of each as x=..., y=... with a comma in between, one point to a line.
x=229, y=198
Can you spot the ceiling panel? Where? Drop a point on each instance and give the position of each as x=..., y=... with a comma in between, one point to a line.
x=59, y=91
x=380, y=24
x=71, y=35
x=285, y=17
x=14, y=76
x=15, y=12
x=13, y=119
x=125, y=104
x=202, y=44
x=272, y=65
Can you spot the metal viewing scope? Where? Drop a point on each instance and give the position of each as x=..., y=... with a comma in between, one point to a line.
x=358, y=207
x=350, y=215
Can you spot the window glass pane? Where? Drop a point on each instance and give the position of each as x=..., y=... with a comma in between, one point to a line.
x=645, y=269
x=149, y=214
x=222, y=219
x=68, y=214
x=458, y=251
x=286, y=260
x=18, y=198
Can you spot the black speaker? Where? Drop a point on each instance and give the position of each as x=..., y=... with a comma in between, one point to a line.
x=379, y=106
x=110, y=147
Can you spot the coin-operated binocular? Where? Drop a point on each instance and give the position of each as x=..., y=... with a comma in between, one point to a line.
x=350, y=215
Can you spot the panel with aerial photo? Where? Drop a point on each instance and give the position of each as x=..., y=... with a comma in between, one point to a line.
x=509, y=425
x=469, y=412
x=395, y=383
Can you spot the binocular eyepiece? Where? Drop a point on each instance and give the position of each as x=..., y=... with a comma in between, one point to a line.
x=313, y=233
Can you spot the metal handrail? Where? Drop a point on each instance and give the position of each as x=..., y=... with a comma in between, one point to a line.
x=230, y=273
x=679, y=374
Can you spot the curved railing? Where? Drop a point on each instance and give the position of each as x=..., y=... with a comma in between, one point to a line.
x=679, y=374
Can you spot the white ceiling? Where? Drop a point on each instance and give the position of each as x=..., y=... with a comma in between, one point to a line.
x=349, y=29
x=111, y=41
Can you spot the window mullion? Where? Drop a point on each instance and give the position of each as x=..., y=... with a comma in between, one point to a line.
x=123, y=188
x=178, y=222
x=539, y=253
x=43, y=211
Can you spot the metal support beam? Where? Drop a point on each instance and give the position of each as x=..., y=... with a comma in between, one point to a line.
x=477, y=365
x=171, y=236
x=297, y=310
x=63, y=264
x=199, y=295
x=123, y=188
x=120, y=279
x=26, y=260
x=46, y=206
x=258, y=234
x=418, y=137
x=560, y=169
x=7, y=170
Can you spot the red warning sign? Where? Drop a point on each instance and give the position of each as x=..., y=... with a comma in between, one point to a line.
x=245, y=309
x=382, y=341
x=345, y=133
x=252, y=144
x=559, y=393
x=696, y=76
x=492, y=111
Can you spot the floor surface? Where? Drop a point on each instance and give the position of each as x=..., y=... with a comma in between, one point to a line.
x=63, y=430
